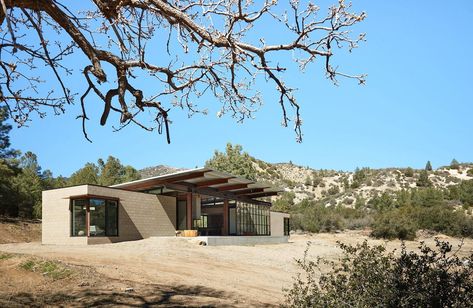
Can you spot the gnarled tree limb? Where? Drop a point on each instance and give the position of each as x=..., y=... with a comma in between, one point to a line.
x=210, y=51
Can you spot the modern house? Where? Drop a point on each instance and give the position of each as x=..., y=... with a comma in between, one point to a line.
x=221, y=208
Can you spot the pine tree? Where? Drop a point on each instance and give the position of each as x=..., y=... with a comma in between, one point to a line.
x=428, y=166
x=454, y=164
x=233, y=161
x=89, y=174
x=29, y=184
x=106, y=173
x=8, y=169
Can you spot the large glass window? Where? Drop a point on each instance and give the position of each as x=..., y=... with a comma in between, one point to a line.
x=252, y=219
x=112, y=218
x=97, y=217
x=79, y=218
x=94, y=217
x=181, y=215
x=287, y=228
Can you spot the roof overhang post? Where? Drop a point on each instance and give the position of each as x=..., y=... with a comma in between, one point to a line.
x=189, y=211
x=225, y=217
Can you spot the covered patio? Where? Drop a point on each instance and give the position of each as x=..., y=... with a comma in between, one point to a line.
x=212, y=202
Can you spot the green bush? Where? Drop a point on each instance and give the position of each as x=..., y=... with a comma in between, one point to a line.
x=52, y=269
x=395, y=223
x=404, y=222
x=333, y=190
x=5, y=256
x=409, y=172
x=316, y=217
x=366, y=276
x=462, y=192
x=423, y=180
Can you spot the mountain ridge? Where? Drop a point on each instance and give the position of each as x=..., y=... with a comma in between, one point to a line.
x=342, y=187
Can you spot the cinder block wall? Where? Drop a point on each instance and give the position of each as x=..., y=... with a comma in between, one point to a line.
x=56, y=217
x=140, y=215
x=277, y=223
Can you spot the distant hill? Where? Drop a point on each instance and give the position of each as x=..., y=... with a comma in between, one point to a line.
x=158, y=170
x=343, y=188
x=340, y=187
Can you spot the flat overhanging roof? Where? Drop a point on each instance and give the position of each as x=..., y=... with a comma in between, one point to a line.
x=204, y=181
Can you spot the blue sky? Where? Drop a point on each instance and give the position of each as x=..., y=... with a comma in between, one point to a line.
x=416, y=106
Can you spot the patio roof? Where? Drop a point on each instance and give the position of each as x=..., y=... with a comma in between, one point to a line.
x=204, y=181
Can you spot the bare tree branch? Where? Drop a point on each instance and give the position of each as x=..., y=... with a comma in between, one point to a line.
x=209, y=51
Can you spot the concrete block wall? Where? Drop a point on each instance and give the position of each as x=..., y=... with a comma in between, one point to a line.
x=140, y=215
x=277, y=223
x=56, y=216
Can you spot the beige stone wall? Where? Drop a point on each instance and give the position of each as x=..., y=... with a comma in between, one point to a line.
x=277, y=223
x=56, y=226
x=140, y=215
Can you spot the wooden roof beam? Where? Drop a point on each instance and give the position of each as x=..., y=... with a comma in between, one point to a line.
x=263, y=194
x=250, y=191
x=233, y=187
x=179, y=178
x=213, y=182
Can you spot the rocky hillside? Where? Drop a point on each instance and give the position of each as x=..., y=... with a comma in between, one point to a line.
x=342, y=187
x=158, y=170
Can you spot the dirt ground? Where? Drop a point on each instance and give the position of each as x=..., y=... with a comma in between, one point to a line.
x=170, y=271
x=14, y=230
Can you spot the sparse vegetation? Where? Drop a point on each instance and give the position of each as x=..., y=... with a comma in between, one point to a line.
x=52, y=269
x=409, y=172
x=5, y=256
x=368, y=276
x=454, y=164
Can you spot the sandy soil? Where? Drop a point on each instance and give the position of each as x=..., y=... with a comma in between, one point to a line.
x=222, y=276
x=14, y=230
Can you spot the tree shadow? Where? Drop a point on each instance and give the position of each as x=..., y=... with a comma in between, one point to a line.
x=149, y=295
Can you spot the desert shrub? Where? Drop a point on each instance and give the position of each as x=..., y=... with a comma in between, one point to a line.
x=316, y=217
x=349, y=201
x=426, y=197
x=52, y=269
x=360, y=176
x=360, y=202
x=394, y=223
x=316, y=181
x=285, y=202
x=445, y=220
x=404, y=222
x=452, y=179
x=333, y=190
x=454, y=164
x=409, y=172
x=462, y=192
x=423, y=179
x=368, y=276
x=470, y=172
x=289, y=183
x=381, y=201
x=319, y=218
x=5, y=256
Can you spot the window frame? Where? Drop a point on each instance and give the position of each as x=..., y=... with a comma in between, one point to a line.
x=87, y=215
x=287, y=226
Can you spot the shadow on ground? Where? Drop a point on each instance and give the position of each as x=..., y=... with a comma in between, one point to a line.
x=143, y=296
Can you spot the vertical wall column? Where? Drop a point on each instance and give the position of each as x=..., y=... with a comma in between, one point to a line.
x=87, y=219
x=225, y=217
x=189, y=211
